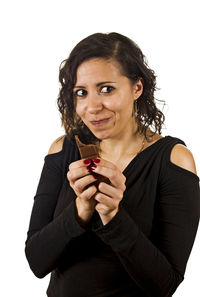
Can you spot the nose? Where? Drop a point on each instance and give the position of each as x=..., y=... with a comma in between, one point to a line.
x=94, y=103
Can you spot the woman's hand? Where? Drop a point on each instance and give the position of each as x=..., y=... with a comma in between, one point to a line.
x=109, y=196
x=80, y=179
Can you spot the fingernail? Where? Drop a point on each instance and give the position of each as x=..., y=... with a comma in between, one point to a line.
x=96, y=160
x=87, y=161
x=90, y=168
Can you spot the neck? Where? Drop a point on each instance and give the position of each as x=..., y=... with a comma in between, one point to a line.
x=126, y=144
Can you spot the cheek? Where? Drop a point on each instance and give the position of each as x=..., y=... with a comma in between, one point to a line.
x=79, y=109
x=114, y=105
x=118, y=105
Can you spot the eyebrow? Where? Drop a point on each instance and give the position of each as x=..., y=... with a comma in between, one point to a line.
x=97, y=85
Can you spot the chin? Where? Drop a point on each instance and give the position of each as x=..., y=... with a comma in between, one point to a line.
x=102, y=134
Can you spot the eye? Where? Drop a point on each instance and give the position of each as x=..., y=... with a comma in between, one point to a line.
x=80, y=93
x=107, y=89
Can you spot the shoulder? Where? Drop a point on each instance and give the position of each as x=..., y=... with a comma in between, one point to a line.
x=57, y=145
x=182, y=157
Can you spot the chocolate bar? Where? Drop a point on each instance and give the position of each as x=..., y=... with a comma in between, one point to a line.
x=90, y=151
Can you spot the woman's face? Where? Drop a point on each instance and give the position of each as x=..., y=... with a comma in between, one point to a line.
x=104, y=98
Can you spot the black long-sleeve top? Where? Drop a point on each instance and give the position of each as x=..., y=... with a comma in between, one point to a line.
x=142, y=251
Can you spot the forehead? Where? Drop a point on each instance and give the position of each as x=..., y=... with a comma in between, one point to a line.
x=98, y=69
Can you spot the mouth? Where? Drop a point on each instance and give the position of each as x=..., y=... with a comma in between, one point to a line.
x=100, y=122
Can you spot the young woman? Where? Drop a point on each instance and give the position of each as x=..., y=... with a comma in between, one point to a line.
x=132, y=237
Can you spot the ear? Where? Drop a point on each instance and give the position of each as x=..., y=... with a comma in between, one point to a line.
x=138, y=88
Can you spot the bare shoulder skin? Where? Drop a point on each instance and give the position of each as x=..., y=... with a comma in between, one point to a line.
x=57, y=145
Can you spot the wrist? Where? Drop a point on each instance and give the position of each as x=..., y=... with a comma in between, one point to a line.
x=107, y=218
x=83, y=215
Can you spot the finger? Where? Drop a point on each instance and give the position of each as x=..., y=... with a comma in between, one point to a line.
x=82, y=183
x=107, y=168
x=106, y=201
x=104, y=163
x=80, y=163
x=88, y=193
x=110, y=191
x=102, y=209
x=115, y=176
x=77, y=173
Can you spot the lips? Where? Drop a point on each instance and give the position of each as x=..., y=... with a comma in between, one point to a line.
x=100, y=122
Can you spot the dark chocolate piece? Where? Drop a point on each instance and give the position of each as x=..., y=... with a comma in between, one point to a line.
x=90, y=151
x=87, y=151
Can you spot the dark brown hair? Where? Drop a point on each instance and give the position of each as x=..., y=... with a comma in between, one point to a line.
x=133, y=65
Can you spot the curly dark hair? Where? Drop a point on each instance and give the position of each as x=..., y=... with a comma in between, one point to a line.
x=133, y=65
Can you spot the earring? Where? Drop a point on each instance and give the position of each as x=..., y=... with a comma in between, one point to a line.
x=136, y=108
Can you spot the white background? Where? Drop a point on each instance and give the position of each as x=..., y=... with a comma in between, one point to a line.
x=35, y=37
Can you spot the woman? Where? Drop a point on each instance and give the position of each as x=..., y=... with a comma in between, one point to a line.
x=132, y=237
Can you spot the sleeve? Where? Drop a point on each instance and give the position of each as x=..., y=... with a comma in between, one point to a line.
x=158, y=265
x=48, y=237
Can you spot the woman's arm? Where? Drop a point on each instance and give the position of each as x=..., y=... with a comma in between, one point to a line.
x=48, y=237
x=158, y=265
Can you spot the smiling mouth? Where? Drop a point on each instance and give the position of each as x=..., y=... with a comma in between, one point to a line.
x=100, y=122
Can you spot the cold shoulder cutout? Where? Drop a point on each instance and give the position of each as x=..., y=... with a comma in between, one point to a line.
x=181, y=156
x=57, y=145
